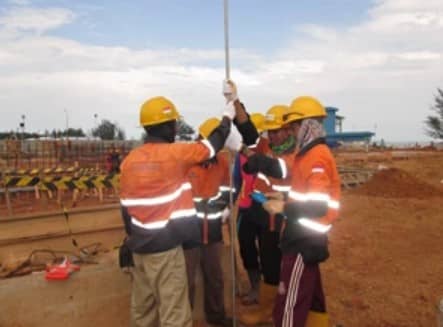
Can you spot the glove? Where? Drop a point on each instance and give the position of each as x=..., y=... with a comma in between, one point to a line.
x=274, y=206
x=252, y=166
x=225, y=215
x=230, y=91
x=229, y=110
x=234, y=140
x=262, y=163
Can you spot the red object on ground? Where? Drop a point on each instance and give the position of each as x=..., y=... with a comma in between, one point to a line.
x=61, y=271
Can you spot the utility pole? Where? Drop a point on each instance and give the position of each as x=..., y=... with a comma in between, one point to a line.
x=22, y=126
x=67, y=120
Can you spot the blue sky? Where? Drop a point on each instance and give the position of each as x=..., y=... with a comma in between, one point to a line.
x=262, y=25
x=375, y=60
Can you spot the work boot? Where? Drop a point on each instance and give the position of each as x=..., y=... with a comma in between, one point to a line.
x=225, y=322
x=262, y=314
x=317, y=319
x=252, y=296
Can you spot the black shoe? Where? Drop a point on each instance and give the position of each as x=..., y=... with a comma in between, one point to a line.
x=225, y=322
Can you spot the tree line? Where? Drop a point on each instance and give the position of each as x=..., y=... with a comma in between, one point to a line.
x=106, y=130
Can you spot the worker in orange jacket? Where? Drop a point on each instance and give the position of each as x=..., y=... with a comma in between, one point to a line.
x=211, y=192
x=271, y=166
x=311, y=208
x=159, y=212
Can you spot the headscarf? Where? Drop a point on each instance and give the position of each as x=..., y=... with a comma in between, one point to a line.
x=310, y=130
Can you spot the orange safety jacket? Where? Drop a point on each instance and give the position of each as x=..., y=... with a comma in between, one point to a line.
x=314, y=198
x=264, y=183
x=155, y=190
x=210, y=190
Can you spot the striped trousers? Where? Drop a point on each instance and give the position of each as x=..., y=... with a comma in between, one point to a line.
x=300, y=290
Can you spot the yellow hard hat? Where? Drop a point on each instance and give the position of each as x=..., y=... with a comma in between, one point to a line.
x=258, y=120
x=206, y=128
x=156, y=111
x=274, y=117
x=304, y=107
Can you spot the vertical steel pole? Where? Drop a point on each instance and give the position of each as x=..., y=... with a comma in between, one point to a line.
x=227, y=66
x=231, y=197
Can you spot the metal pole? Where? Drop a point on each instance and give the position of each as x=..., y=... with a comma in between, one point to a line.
x=67, y=120
x=231, y=197
x=227, y=66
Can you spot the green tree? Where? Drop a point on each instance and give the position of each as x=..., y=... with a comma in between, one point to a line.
x=108, y=130
x=434, y=123
x=77, y=132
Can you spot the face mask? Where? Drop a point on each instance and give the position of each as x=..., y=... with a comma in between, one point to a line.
x=286, y=146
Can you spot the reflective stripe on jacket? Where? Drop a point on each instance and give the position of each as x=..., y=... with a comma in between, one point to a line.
x=313, y=201
x=153, y=183
x=210, y=189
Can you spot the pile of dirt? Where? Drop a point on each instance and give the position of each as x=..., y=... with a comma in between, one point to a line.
x=396, y=183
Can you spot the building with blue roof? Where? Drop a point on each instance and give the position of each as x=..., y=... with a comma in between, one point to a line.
x=335, y=136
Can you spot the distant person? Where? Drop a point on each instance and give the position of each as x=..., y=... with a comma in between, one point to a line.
x=115, y=161
x=112, y=161
x=108, y=162
x=159, y=212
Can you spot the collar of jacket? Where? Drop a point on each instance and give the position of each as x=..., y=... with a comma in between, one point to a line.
x=320, y=140
x=155, y=139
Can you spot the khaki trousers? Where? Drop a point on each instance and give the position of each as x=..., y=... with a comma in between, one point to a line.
x=160, y=290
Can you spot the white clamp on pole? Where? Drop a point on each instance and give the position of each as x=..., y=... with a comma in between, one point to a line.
x=231, y=197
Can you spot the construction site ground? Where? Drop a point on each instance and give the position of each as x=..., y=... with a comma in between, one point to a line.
x=385, y=268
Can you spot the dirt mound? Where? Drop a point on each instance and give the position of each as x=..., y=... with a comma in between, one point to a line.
x=396, y=183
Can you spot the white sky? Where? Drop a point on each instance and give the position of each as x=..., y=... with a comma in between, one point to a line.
x=381, y=72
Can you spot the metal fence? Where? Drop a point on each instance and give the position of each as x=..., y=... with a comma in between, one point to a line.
x=40, y=154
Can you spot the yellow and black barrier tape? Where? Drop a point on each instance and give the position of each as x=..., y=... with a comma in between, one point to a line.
x=63, y=182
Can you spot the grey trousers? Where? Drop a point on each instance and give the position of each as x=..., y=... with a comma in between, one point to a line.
x=208, y=257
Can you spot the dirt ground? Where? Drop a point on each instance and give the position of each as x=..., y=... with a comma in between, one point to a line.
x=386, y=267
x=386, y=264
